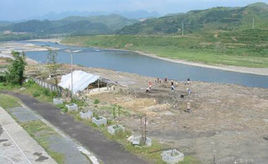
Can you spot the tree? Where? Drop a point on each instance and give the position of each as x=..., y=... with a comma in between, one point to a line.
x=52, y=65
x=15, y=72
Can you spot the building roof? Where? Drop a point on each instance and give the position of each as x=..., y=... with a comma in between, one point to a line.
x=81, y=80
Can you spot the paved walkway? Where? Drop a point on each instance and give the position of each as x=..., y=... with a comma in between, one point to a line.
x=55, y=142
x=106, y=150
x=16, y=146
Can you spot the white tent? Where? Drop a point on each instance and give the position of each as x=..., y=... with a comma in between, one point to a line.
x=81, y=80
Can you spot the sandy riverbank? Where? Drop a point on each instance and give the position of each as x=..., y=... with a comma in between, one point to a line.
x=6, y=49
x=257, y=71
x=54, y=40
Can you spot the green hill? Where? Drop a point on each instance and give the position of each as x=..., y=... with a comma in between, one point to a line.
x=113, y=22
x=71, y=25
x=220, y=18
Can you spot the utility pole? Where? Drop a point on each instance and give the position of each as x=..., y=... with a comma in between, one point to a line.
x=143, y=120
x=141, y=126
x=182, y=28
x=145, y=130
x=253, y=23
x=71, y=55
x=72, y=74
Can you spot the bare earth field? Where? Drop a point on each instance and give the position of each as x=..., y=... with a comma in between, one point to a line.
x=227, y=123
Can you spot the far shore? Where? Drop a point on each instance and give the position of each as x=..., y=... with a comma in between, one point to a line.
x=256, y=71
x=55, y=40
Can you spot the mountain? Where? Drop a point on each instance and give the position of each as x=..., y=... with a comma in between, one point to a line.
x=136, y=14
x=62, y=15
x=71, y=25
x=219, y=18
x=114, y=22
x=4, y=23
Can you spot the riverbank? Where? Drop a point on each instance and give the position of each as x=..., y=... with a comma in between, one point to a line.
x=54, y=40
x=256, y=71
x=254, y=65
x=6, y=49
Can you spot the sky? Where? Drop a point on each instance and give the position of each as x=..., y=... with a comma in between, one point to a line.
x=11, y=10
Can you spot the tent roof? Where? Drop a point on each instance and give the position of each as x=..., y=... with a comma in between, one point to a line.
x=81, y=80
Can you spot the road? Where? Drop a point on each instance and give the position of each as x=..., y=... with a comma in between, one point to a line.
x=106, y=150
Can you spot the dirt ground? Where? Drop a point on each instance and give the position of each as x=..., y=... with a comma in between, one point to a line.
x=227, y=123
x=4, y=61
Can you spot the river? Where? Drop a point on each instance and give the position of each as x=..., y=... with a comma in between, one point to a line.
x=132, y=62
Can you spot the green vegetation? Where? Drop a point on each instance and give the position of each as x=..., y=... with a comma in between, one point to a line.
x=113, y=22
x=7, y=101
x=33, y=89
x=30, y=88
x=247, y=48
x=16, y=36
x=96, y=101
x=40, y=132
x=68, y=26
x=15, y=73
x=190, y=160
x=219, y=35
x=219, y=18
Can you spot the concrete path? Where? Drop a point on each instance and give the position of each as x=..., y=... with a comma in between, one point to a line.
x=55, y=141
x=16, y=146
x=106, y=150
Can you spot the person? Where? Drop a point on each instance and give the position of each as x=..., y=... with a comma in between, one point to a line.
x=150, y=85
x=172, y=86
x=188, y=107
x=188, y=81
x=166, y=79
x=189, y=91
x=157, y=80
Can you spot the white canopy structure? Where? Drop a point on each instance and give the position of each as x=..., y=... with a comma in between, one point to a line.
x=81, y=80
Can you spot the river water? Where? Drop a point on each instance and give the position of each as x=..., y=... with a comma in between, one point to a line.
x=132, y=62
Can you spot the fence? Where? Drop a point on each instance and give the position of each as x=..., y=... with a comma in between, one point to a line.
x=51, y=87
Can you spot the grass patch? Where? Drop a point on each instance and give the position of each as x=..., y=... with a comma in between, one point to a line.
x=40, y=132
x=190, y=160
x=31, y=89
x=7, y=101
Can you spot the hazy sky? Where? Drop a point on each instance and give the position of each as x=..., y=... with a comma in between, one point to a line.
x=24, y=9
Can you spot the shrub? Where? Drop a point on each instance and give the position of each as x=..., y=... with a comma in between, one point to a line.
x=36, y=94
x=46, y=92
x=2, y=78
x=15, y=72
x=29, y=83
x=65, y=110
x=96, y=101
x=78, y=102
